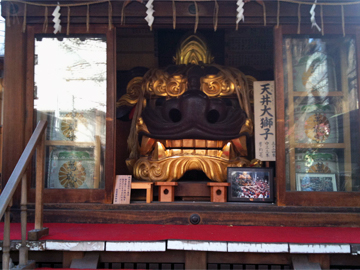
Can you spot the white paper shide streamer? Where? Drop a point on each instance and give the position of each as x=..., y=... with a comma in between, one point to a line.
x=149, y=12
x=240, y=11
x=56, y=20
x=312, y=18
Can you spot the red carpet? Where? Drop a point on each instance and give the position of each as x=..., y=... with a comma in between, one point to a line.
x=149, y=232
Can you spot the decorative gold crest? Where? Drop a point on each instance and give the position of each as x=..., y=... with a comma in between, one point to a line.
x=193, y=50
x=72, y=174
x=217, y=85
x=69, y=124
x=133, y=91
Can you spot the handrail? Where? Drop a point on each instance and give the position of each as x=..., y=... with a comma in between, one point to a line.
x=37, y=141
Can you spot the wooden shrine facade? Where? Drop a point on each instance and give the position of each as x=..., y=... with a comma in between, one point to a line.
x=262, y=46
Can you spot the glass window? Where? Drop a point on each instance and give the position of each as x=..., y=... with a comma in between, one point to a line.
x=70, y=93
x=321, y=114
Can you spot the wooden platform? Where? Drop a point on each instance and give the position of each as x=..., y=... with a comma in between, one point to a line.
x=179, y=213
x=192, y=246
x=216, y=238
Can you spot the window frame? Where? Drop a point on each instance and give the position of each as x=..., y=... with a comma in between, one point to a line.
x=103, y=195
x=304, y=198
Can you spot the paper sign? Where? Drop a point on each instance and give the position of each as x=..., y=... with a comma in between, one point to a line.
x=122, y=189
x=264, y=120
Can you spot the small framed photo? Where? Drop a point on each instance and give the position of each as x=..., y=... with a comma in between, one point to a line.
x=250, y=184
x=316, y=182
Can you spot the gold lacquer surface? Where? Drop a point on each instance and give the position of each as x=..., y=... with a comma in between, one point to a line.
x=248, y=127
x=193, y=50
x=173, y=168
x=72, y=174
x=133, y=91
x=141, y=126
x=159, y=83
x=168, y=160
x=217, y=85
x=176, y=86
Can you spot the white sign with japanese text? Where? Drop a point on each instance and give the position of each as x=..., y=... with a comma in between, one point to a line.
x=264, y=120
x=122, y=189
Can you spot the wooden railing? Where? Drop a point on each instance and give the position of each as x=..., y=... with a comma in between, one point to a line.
x=36, y=142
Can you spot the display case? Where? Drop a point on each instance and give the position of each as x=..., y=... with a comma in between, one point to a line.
x=72, y=98
x=71, y=87
x=320, y=112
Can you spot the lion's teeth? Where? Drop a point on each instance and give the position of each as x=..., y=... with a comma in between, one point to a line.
x=201, y=152
x=176, y=144
x=159, y=151
x=211, y=144
x=240, y=145
x=146, y=145
x=188, y=151
x=228, y=151
x=188, y=143
x=200, y=144
x=176, y=152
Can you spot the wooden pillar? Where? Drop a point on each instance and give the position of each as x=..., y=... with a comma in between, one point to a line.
x=166, y=191
x=322, y=259
x=195, y=260
x=68, y=256
x=14, y=100
x=23, y=250
x=6, y=241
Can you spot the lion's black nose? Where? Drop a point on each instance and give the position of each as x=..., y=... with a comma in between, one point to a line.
x=198, y=108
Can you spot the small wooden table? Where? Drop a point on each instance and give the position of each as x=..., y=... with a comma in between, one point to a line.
x=145, y=185
x=218, y=191
x=166, y=191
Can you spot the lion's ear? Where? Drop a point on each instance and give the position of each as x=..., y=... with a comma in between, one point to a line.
x=133, y=91
x=129, y=90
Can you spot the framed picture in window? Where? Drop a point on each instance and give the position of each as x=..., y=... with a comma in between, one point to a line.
x=316, y=182
x=250, y=184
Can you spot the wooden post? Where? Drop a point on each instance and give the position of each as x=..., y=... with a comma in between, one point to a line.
x=195, y=260
x=346, y=118
x=301, y=262
x=291, y=108
x=40, y=164
x=166, y=191
x=218, y=191
x=39, y=230
x=322, y=259
x=69, y=256
x=97, y=158
x=23, y=250
x=6, y=241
